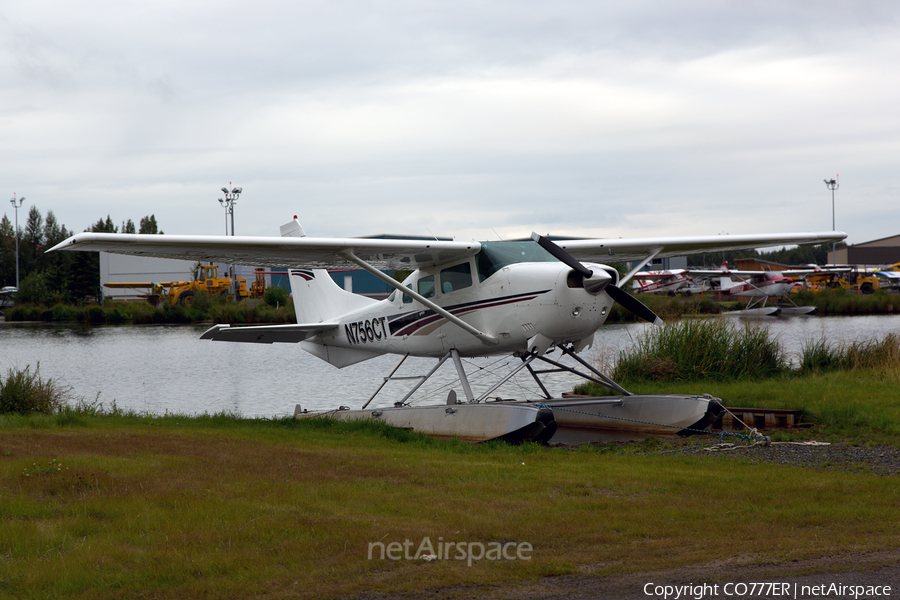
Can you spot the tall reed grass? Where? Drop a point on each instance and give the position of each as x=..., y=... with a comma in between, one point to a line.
x=24, y=391
x=695, y=350
x=876, y=356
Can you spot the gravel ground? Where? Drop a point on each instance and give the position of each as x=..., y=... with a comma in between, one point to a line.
x=879, y=460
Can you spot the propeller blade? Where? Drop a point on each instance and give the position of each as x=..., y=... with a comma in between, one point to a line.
x=633, y=304
x=617, y=294
x=561, y=255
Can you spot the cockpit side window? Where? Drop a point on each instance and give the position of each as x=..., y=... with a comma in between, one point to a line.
x=407, y=299
x=456, y=277
x=425, y=286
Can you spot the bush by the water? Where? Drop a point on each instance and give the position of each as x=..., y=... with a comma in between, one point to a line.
x=23, y=392
x=878, y=356
x=204, y=308
x=696, y=350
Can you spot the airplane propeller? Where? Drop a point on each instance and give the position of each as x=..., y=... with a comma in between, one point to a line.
x=594, y=283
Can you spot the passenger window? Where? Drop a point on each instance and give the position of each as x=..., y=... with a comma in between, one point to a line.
x=407, y=299
x=456, y=278
x=425, y=286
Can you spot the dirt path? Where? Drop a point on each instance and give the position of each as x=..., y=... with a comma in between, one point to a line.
x=859, y=577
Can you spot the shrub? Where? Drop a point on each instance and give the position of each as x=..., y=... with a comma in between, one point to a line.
x=276, y=296
x=94, y=314
x=66, y=312
x=25, y=392
x=33, y=289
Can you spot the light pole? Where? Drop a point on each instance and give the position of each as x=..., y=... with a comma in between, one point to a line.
x=833, y=184
x=228, y=202
x=16, y=206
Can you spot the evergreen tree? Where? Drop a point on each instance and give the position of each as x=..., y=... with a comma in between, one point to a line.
x=31, y=243
x=84, y=283
x=55, y=266
x=128, y=227
x=148, y=225
x=7, y=252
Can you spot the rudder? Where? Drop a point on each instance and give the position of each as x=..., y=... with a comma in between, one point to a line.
x=318, y=299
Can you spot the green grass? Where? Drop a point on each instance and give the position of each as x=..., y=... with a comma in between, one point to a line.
x=219, y=506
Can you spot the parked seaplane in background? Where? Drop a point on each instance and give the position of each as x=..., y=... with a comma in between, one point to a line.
x=7, y=295
x=761, y=286
x=463, y=299
x=661, y=282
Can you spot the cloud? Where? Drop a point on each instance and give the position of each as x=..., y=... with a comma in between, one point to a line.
x=582, y=117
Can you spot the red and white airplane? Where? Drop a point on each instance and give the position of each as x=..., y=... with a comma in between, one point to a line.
x=661, y=282
x=760, y=286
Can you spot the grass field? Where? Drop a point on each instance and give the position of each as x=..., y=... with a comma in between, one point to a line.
x=130, y=506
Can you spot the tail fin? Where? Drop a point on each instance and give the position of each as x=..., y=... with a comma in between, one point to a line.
x=292, y=229
x=318, y=299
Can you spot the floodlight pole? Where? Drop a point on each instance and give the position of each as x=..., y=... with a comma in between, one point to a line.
x=228, y=202
x=16, y=206
x=832, y=185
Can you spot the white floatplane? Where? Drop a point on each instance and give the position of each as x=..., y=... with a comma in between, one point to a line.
x=463, y=299
x=762, y=286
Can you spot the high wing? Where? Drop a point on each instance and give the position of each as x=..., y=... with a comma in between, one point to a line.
x=793, y=273
x=616, y=250
x=332, y=253
x=278, y=252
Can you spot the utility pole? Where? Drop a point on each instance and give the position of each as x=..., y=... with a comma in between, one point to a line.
x=833, y=184
x=16, y=206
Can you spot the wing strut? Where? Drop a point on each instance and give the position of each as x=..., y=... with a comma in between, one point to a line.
x=485, y=338
x=640, y=266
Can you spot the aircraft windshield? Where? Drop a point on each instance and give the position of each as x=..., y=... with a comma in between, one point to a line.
x=496, y=255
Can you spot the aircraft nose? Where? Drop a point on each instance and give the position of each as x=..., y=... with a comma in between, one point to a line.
x=597, y=282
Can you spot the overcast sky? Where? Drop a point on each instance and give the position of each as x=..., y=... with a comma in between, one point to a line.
x=464, y=119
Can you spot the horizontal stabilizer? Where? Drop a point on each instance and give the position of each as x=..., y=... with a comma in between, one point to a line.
x=266, y=334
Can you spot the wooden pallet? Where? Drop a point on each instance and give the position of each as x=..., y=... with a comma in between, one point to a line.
x=758, y=418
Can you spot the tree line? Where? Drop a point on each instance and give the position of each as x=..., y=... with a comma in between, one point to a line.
x=72, y=277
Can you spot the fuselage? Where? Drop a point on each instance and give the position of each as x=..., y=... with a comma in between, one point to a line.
x=660, y=282
x=771, y=284
x=514, y=303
